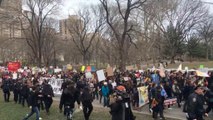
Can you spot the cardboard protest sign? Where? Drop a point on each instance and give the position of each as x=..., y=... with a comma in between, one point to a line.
x=13, y=66
x=162, y=73
x=201, y=74
x=131, y=67
x=126, y=78
x=88, y=75
x=101, y=75
x=109, y=71
x=69, y=67
x=179, y=67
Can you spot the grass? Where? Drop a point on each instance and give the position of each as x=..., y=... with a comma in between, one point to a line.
x=12, y=111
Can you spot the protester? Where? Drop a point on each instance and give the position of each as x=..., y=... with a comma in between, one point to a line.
x=48, y=94
x=86, y=99
x=105, y=93
x=120, y=108
x=68, y=98
x=33, y=102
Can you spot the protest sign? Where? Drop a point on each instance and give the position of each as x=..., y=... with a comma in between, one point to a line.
x=13, y=66
x=143, y=96
x=109, y=71
x=88, y=69
x=93, y=69
x=131, y=67
x=83, y=68
x=101, y=76
x=15, y=76
x=88, y=75
x=201, y=66
x=57, y=70
x=56, y=85
x=179, y=67
x=69, y=67
x=201, y=74
x=162, y=73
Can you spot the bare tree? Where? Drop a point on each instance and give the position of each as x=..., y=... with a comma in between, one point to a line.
x=83, y=29
x=206, y=32
x=179, y=20
x=34, y=23
x=120, y=24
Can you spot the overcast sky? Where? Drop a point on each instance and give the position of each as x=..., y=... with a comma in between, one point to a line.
x=72, y=6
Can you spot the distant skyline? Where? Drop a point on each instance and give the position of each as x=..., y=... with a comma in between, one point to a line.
x=72, y=6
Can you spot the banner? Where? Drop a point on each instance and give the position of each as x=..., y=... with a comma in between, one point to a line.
x=170, y=101
x=143, y=96
x=101, y=76
x=56, y=85
x=13, y=66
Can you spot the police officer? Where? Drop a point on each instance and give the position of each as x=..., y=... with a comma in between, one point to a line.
x=194, y=105
x=6, y=89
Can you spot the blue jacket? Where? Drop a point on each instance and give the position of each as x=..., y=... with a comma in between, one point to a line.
x=105, y=90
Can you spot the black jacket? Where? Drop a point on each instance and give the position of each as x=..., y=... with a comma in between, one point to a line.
x=194, y=105
x=69, y=97
x=47, y=90
x=33, y=99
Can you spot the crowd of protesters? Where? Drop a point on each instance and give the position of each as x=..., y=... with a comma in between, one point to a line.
x=117, y=93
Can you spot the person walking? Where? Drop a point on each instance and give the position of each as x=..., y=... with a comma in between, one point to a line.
x=86, y=99
x=194, y=105
x=47, y=96
x=105, y=93
x=33, y=102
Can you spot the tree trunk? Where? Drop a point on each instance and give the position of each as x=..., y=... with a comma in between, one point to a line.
x=207, y=53
x=122, y=60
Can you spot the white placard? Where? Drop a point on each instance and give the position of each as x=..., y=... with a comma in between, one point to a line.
x=88, y=75
x=57, y=70
x=15, y=76
x=101, y=76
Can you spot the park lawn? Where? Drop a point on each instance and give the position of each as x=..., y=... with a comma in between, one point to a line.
x=12, y=111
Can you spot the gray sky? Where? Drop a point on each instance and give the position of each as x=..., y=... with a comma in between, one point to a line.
x=72, y=6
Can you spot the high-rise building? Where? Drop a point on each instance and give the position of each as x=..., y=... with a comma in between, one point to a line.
x=65, y=25
x=9, y=22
